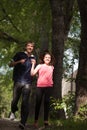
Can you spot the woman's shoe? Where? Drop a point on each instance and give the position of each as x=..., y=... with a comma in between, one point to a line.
x=35, y=125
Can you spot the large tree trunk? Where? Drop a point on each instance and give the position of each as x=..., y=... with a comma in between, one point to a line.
x=44, y=39
x=61, y=19
x=57, y=44
x=81, y=80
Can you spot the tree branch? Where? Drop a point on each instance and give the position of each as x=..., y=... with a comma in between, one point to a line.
x=6, y=36
x=68, y=14
x=4, y=11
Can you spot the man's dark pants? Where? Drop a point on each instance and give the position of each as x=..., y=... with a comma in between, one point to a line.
x=23, y=90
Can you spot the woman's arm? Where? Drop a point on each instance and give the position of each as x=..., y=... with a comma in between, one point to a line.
x=35, y=70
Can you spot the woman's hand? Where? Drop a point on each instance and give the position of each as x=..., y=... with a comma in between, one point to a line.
x=33, y=61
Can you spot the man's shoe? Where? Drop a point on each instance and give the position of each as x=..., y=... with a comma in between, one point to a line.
x=21, y=126
x=12, y=116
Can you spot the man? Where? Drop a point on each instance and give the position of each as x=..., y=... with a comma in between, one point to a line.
x=22, y=82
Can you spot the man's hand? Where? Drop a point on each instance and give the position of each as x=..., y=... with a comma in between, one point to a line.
x=22, y=61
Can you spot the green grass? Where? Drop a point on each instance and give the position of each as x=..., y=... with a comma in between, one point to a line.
x=68, y=124
x=31, y=121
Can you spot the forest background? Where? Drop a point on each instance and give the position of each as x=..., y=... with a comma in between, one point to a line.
x=59, y=26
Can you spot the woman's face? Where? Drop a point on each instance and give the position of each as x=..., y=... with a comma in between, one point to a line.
x=47, y=59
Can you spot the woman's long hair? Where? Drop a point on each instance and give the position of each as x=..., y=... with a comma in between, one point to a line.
x=41, y=58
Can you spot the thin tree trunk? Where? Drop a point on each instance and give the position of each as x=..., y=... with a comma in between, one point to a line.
x=81, y=80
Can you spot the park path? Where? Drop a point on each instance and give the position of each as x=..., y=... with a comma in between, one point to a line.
x=6, y=124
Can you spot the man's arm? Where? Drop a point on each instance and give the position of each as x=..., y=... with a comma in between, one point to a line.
x=13, y=63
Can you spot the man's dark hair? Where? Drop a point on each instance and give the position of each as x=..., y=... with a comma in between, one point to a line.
x=29, y=42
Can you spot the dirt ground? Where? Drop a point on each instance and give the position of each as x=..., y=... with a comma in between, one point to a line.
x=6, y=124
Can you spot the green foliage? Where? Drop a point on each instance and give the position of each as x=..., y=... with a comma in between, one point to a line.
x=5, y=96
x=68, y=124
x=22, y=20
x=82, y=113
x=67, y=103
x=72, y=44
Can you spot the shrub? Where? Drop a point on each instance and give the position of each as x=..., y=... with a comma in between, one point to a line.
x=67, y=103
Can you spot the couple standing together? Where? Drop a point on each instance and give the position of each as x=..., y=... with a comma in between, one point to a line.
x=24, y=68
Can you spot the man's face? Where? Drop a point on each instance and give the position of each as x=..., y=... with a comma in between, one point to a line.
x=29, y=47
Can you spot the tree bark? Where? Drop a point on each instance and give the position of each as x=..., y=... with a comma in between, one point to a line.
x=61, y=19
x=81, y=80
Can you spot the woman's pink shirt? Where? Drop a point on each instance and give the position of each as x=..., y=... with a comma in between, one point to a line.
x=45, y=76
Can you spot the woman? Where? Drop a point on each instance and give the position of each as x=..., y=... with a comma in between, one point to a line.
x=44, y=85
